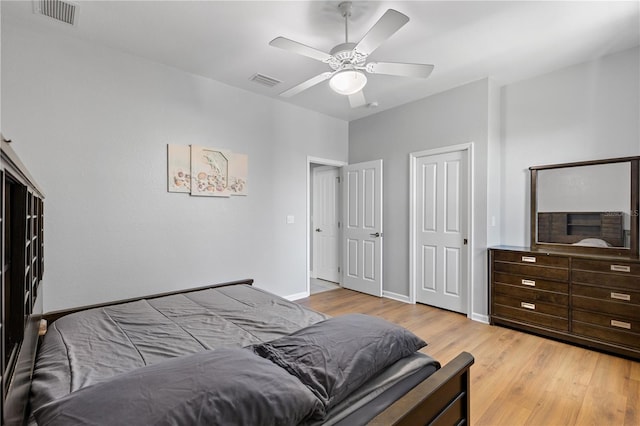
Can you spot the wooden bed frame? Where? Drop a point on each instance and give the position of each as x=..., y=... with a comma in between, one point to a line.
x=441, y=399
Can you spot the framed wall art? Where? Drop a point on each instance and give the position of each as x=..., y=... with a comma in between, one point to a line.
x=178, y=168
x=206, y=172
x=238, y=174
x=209, y=171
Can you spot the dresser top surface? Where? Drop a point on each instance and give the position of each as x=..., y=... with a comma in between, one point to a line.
x=564, y=253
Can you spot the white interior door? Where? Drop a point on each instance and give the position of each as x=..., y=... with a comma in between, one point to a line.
x=326, y=216
x=440, y=254
x=362, y=206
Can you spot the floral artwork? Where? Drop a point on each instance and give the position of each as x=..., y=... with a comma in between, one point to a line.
x=179, y=168
x=209, y=172
x=238, y=173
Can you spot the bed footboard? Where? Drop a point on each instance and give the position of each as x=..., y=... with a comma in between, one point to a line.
x=442, y=399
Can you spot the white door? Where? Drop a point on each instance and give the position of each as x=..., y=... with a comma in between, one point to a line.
x=326, y=216
x=440, y=254
x=362, y=206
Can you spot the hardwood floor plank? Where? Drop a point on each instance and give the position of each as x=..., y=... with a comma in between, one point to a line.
x=517, y=378
x=632, y=413
x=602, y=407
x=554, y=409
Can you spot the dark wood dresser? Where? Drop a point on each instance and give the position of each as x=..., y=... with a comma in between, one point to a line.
x=588, y=300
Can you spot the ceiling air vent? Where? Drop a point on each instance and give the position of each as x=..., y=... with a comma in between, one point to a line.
x=61, y=11
x=264, y=80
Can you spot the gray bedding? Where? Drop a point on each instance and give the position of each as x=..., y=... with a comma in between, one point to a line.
x=93, y=348
x=205, y=388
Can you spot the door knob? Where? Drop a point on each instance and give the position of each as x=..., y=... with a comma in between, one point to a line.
x=318, y=230
x=377, y=234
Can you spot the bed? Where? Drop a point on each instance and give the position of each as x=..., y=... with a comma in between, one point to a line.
x=88, y=354
x=227, y=353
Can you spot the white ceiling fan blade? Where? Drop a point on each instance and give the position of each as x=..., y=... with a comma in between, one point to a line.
x=306, y=84
x=386, y=26
x=357, y=99
x=400, y=69
x=300, y=49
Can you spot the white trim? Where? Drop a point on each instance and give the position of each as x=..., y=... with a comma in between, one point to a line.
x=325, y=162
x=395, y=296
x=297, y=296
x=480, y=318
x=470, y=217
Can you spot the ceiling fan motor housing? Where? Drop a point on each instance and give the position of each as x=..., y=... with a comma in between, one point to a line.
x=345, y=56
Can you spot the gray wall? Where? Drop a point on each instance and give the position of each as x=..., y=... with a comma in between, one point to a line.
x=460, y=115
x=585, y=112
x=92, y=124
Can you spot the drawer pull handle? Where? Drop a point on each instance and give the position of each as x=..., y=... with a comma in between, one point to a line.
x=530, y=283
x=532, y=259
x=621, y=324
x=528, y=305
x=621, y=268
x=620, y=296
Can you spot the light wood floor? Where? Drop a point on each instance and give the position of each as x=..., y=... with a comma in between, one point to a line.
x=517, y=378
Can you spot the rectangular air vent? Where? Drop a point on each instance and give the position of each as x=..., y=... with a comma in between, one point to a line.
x=61, y=11
x=264, y=80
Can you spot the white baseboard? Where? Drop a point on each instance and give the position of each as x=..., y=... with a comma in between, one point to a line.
x=480, y=318
x=396, y=296
x=297, y=296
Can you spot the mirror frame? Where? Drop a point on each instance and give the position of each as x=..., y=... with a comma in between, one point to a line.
x=634, y=209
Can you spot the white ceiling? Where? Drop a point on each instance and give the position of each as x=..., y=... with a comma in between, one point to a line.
x=228, y=41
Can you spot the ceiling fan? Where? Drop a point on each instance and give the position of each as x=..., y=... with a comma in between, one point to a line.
x=349, y=60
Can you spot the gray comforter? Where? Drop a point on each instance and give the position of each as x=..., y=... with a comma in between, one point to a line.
x=91, y=346
x=229, y=354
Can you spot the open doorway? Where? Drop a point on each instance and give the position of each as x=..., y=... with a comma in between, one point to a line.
x=323, y=224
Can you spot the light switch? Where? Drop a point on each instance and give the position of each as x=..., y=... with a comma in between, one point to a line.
x=291, y=219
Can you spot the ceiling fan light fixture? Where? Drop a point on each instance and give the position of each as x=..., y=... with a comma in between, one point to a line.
x=348, y=82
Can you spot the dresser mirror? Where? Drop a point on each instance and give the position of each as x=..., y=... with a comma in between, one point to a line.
x=588, y=207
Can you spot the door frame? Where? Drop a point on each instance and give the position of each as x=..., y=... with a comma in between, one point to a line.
x=468, y=147
x=323, y=162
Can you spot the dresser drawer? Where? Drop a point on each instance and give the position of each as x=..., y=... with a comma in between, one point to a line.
x=531, y=317
x=610, y=321
x=603, y=293
x=531, y=258
x=606, y=333
x=532, y=271
x=613, y=266
x=527, y=282
x=532, y=295
x=629, y=282
x=599, y=306
x=530, y=304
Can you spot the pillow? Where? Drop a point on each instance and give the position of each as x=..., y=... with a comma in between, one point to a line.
x=224, y=386
x=337, y=356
